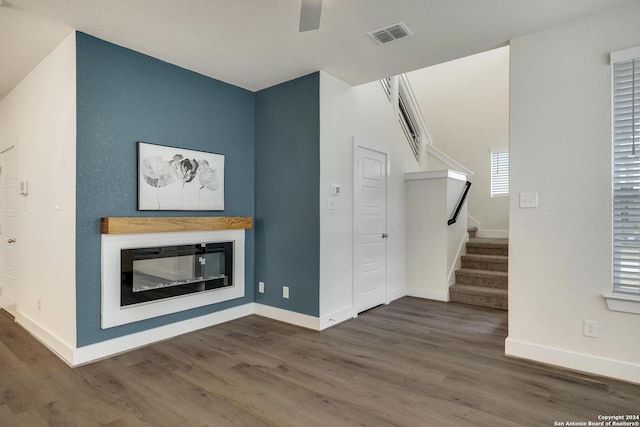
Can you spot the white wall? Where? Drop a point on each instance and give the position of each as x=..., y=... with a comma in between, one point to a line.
x=433, y=247
x=465, y=104
x=365, y=114
x=560, y=253
x=40, y=114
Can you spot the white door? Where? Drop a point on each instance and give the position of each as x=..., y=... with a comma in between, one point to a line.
x=370, y=225
x=8, y=207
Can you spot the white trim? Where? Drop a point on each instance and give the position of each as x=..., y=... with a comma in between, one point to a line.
x=492, y=234
x=8, y=303
x=446, y=173
x=356, y=248
x=61, y=348
x=286, y=316
x=448, y=160
x=582, y=362
x=624, y=55
x=101, y=350
x=337, y=317
x=93, y=352
x=472, y=222
x=112, y=244
x=462, y=249
x=626, y=303
x=408, y=89
x=429, y=294
x=394, y=294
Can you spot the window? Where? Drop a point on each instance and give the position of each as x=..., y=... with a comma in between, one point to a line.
x=499, y=173
x=626, y=171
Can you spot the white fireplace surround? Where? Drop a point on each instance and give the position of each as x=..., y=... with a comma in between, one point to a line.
x=112, y=244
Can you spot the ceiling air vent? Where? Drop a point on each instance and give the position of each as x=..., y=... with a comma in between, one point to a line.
x=390, y=33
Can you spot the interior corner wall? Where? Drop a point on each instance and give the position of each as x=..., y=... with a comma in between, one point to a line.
x=465, y=103
x=560, y=254
x=39, y=117
x=124, y=97
x=362, y=115
x=287, y=172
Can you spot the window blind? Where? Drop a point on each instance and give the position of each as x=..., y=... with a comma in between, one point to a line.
x=499, y=173
x=626, y=176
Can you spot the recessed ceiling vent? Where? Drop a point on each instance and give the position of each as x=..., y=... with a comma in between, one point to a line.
x=390, y=33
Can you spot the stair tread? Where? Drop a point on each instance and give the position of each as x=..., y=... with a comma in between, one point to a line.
x=483, y=257
x=488, y=243
x=482, y=279
x=478, y=290
x=482, y=273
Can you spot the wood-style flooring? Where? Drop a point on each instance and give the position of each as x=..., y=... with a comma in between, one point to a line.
x=412, y=363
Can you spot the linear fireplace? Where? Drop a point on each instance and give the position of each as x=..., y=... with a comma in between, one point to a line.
x=152, y=274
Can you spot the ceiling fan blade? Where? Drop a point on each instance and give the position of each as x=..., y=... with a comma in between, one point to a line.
x=310, y=15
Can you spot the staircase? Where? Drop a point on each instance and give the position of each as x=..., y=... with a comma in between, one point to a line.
x=482, y=278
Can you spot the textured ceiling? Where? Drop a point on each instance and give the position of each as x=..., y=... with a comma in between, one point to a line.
x=255, y=43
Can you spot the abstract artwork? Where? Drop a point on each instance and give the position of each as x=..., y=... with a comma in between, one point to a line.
x=178, y=179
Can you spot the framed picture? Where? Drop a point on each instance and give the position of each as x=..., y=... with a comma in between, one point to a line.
x=178, y=179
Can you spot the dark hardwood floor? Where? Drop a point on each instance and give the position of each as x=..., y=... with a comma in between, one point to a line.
x=412, y=363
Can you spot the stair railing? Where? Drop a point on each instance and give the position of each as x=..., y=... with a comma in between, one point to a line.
x=463, y=197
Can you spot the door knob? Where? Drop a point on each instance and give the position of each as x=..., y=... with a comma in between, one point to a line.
x=385, y=235
x=11, y=240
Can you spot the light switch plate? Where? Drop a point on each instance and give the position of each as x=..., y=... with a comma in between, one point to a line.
x=528, y=200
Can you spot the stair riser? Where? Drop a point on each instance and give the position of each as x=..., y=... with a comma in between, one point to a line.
x=501, y=303
x=482, y=279
x=484, y=265
x=479, y=250
x=487, y=282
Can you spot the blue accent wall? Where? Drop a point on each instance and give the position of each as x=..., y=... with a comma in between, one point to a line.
x=287, y=173
x=123, y=97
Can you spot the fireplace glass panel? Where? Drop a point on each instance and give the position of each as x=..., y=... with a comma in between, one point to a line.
x=162, y=272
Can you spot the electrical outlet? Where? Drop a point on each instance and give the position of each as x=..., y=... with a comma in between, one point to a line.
x=261, y=287
x=590, y=328
x=285, y=292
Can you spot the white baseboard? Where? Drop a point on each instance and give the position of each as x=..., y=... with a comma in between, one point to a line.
x=611, y=368
x=472, y=222
x=462, y=250
x=8, y=303
x=61, y=348
x=90, y=353
x=429, y=294
x=337, y=317
x=93, y=352
x=492, y=234
x=394, y=294
x=287, y=316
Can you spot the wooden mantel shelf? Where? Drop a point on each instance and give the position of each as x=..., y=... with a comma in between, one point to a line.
x=159, y=224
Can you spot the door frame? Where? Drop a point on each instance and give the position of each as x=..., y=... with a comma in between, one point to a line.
x=356, y=211
x=12, y=143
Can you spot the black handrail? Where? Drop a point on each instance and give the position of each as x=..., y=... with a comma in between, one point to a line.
x=454, y=218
